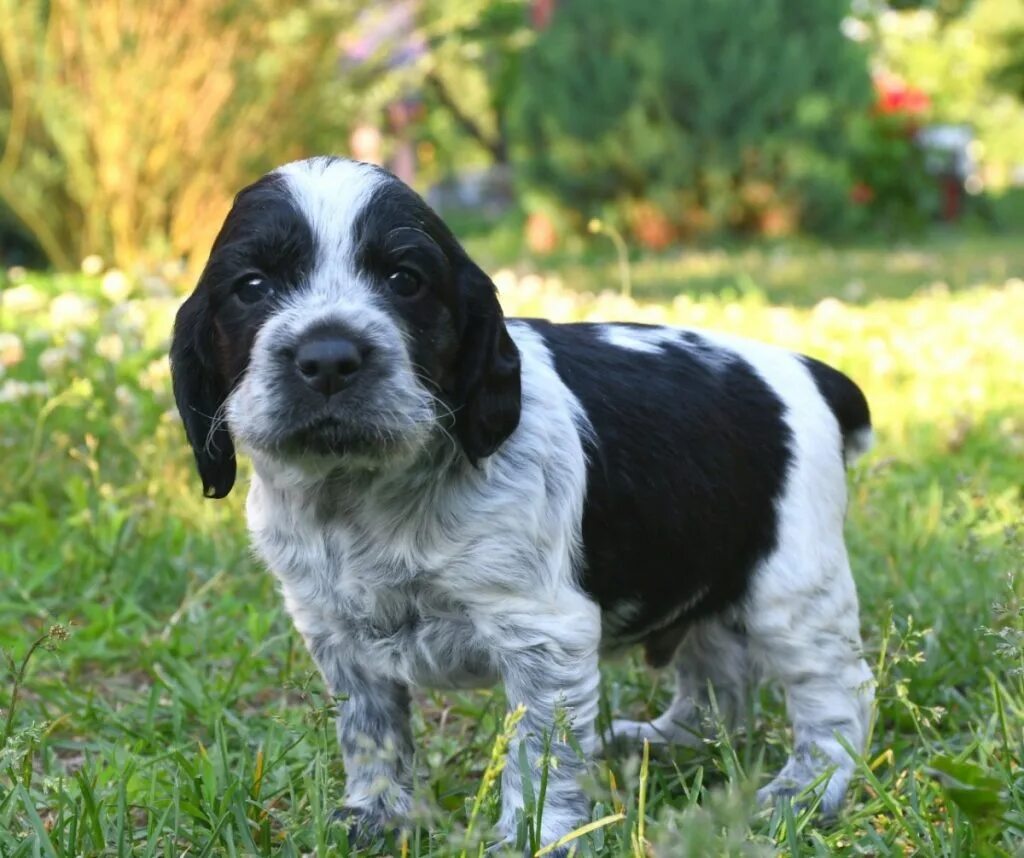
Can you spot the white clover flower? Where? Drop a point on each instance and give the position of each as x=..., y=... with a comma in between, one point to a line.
x=25, y=298
x=92, y=265
x=53, y=359
x=855, y=29
x=110, y=347
x=16, y=273
x=74, y=342
x=155, y=377
x=157, y=286
x=130, y=318
x=14, y=390
x=11, y=349
x=828, y=308
x=504, y=280
x=124, y=396
x=531, y=284
x=71, y=310
x=115, y=285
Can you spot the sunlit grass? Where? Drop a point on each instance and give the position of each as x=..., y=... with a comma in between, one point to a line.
x=795, y=273
x=182, y=715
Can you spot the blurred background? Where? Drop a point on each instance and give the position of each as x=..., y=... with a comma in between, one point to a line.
x=841, y=177
x=127, y=127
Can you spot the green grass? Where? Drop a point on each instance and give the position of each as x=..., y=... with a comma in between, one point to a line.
x=797, y=273
x=169, y=709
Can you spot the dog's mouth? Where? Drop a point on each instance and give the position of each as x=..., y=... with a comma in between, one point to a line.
x=339, y=438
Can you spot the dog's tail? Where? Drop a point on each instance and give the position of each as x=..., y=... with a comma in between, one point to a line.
x=848, y=404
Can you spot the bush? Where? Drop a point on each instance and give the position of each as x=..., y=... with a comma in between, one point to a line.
x=966, y=65
x=891, y=187
x=126, y=127
x=705, y=111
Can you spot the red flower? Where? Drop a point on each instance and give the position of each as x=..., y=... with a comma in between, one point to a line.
x=541, y=13
x=861, y=194
x=897, y=97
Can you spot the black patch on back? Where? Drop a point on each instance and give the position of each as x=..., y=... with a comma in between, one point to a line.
x=691, y=457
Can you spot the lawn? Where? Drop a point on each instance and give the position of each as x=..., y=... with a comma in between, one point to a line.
x=155, y=700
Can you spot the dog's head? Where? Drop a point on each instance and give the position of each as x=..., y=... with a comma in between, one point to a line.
x=339, y=323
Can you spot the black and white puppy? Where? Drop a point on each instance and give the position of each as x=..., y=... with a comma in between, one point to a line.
x=450, y=498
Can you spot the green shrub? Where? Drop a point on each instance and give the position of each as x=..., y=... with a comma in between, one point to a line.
x=126, y=127
x=690, y=105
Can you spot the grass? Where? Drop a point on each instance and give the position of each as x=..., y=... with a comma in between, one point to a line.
x=790, y=272
x=157, y=702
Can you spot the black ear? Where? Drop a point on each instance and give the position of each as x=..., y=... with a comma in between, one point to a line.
x=487, y=385
x=199, y=393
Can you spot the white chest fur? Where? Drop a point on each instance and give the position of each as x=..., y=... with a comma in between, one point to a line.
x=427, y=574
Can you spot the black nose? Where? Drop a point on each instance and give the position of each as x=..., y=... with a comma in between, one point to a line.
x=328, y=362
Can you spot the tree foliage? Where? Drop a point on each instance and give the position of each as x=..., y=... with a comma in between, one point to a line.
x=125, y=127
x=965, y=64
x=690, y=103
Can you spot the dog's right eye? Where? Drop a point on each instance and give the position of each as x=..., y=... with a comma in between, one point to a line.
x=252, y=288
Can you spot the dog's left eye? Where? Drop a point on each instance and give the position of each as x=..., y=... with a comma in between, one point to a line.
x=405, y=282
x=252, y=288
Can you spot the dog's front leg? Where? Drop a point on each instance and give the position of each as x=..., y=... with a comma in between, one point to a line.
x=375, y=736
x=549, y=665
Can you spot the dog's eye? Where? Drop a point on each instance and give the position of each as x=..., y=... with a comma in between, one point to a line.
x=405, y=282
x=252, y=288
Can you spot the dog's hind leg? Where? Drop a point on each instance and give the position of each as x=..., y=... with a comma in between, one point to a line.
x=712, y=651
x=808, y=638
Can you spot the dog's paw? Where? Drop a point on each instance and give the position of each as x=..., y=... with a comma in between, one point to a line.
x=365, y=826
x=802, y=797
x=508, y=848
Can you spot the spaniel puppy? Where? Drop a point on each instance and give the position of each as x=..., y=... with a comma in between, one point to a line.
x=450, y=498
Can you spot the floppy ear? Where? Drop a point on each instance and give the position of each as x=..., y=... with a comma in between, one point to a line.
x=487, y=385
x=199, y=393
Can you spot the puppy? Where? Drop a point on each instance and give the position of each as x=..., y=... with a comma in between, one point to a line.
x=449, y=498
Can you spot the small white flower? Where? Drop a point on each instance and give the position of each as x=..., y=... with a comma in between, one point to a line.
x=124, y=396
x=74, y=342
x=129, y=318
x=855, y=29
x=115, y=285
x=110, y=347
x=11, y=349
x=11, y=391
x=531, y=285
x=504, y=280
x=828, y=308
x=157, y=286
x=23, y=299
x=70, y=311
x=16, y=273
x=52, y=360
x=92, y=265
x=14, y=390
x=155, y=376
